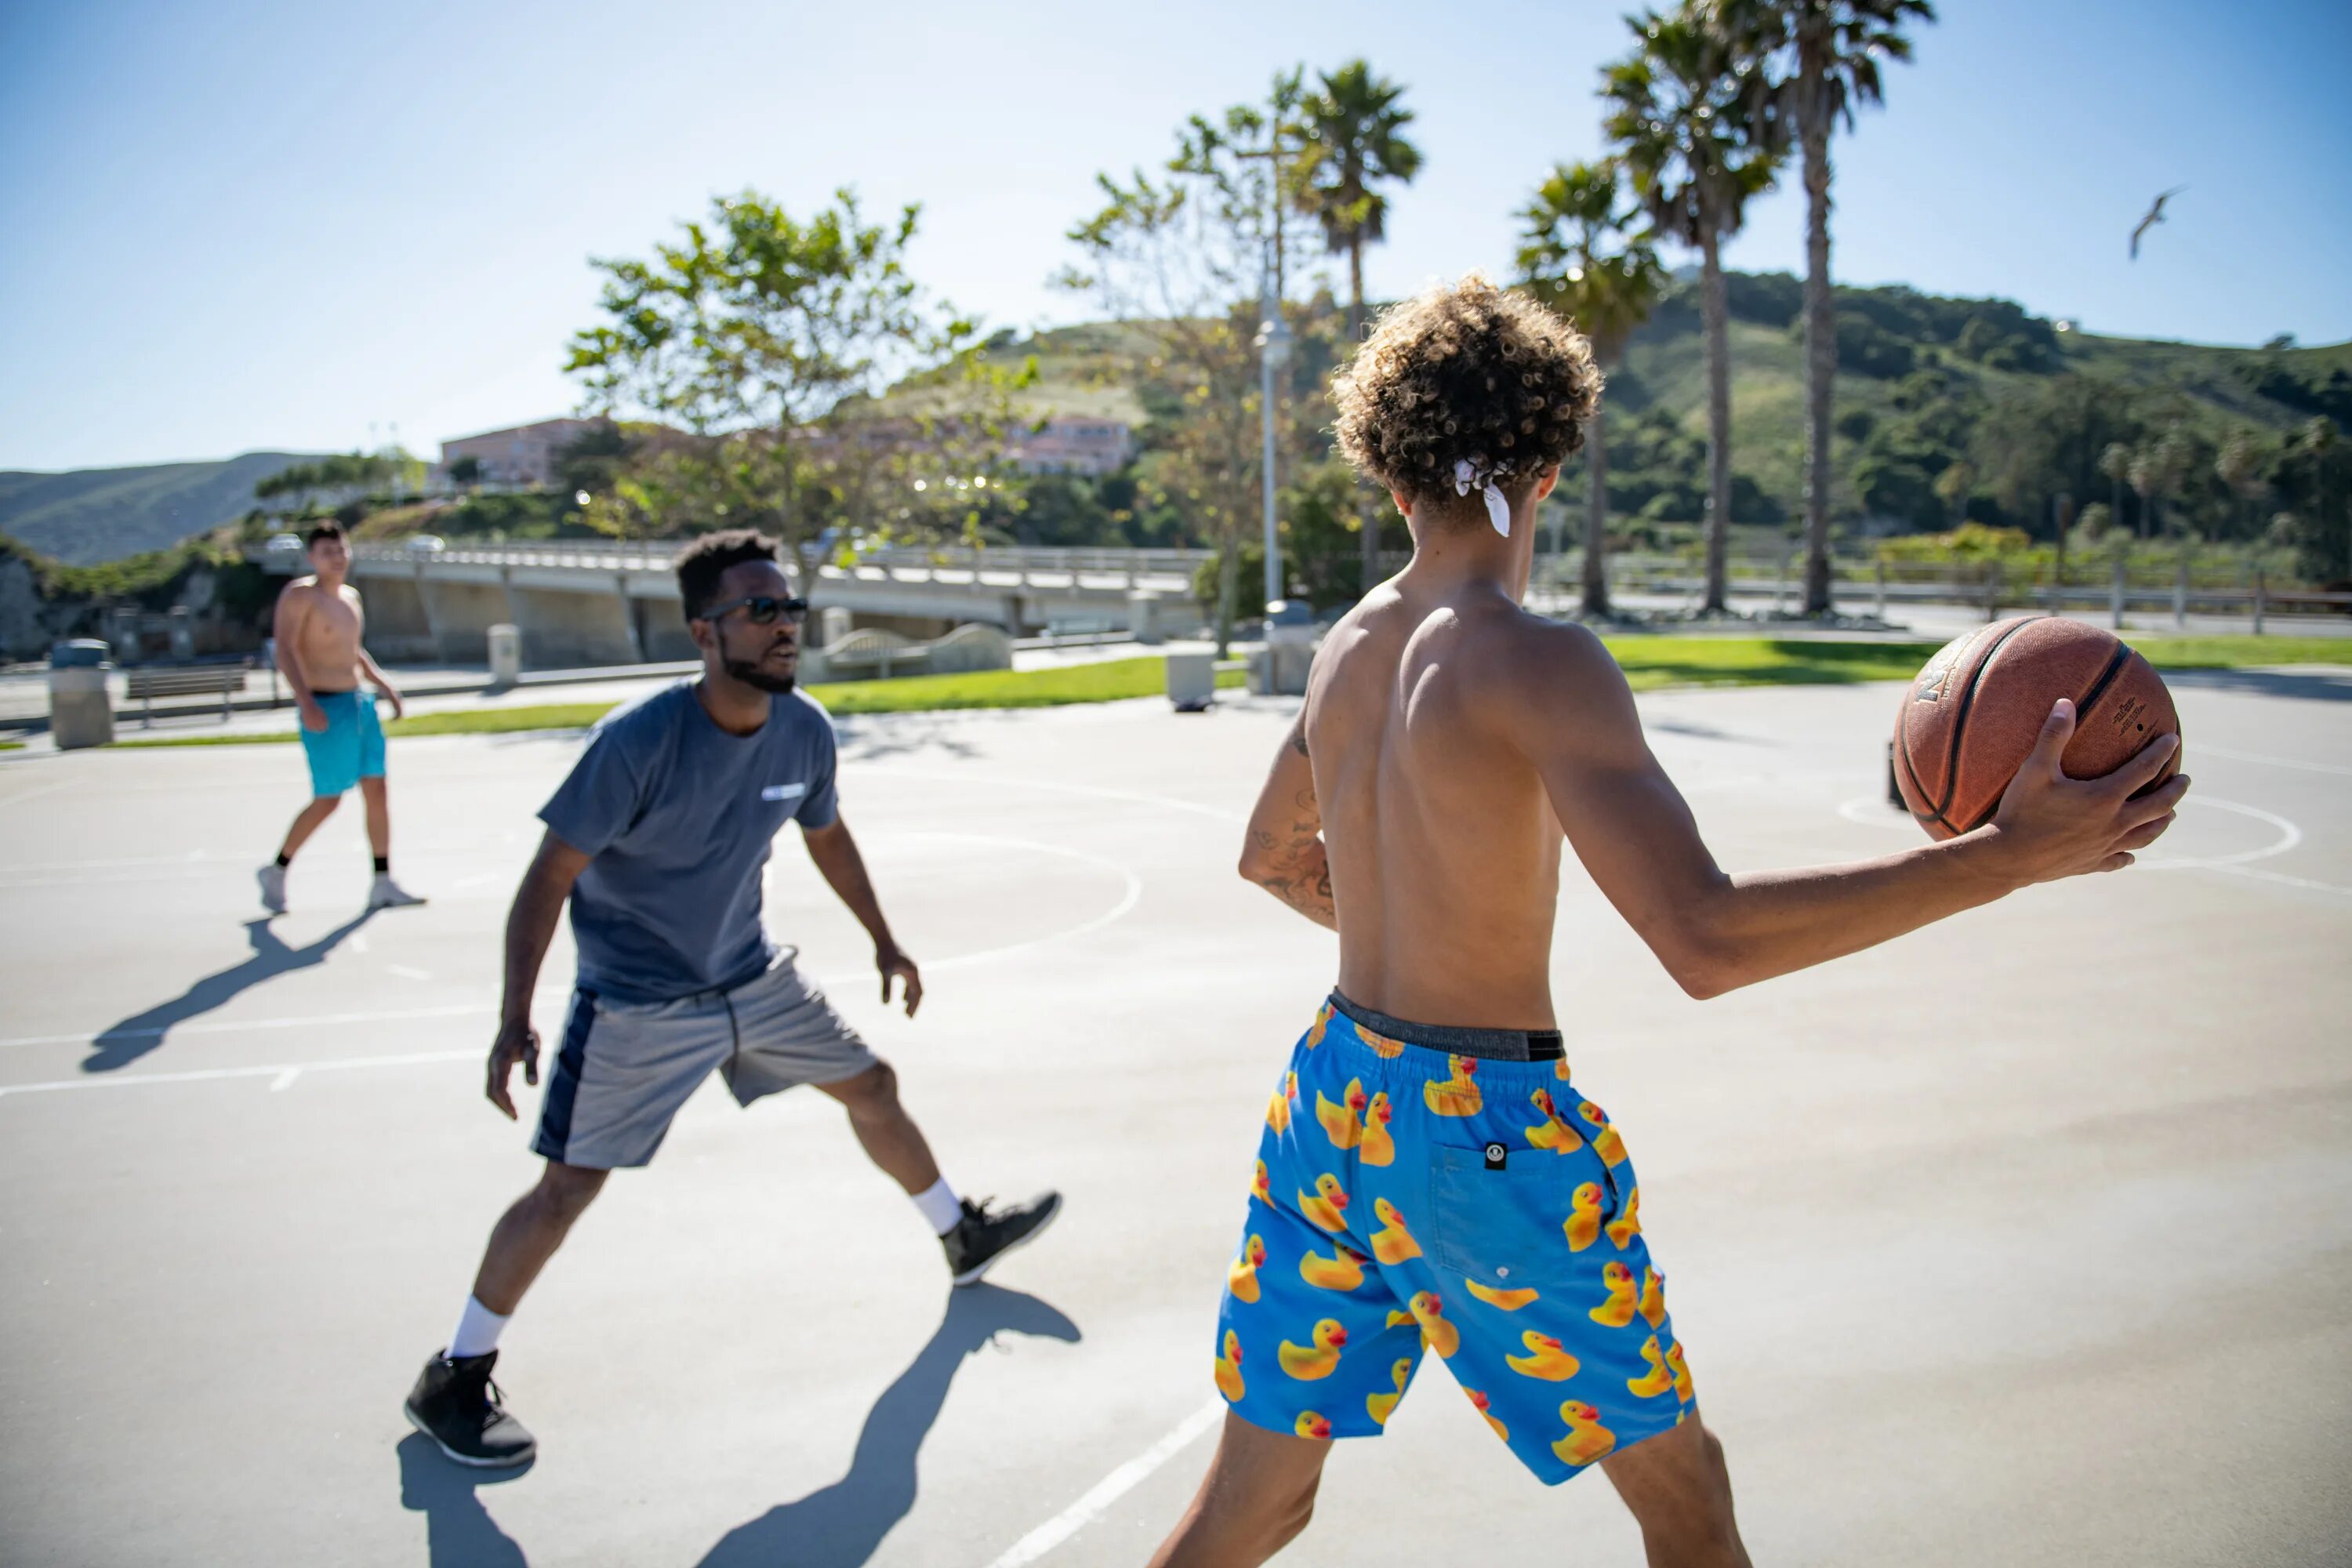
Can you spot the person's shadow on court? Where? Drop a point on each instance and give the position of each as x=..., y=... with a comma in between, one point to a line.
x=459, y=1531
x=121, y=1044
x=840, y=1526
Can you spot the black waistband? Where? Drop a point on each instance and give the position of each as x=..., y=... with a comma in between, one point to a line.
x=1495, y=1045
x=318, y=695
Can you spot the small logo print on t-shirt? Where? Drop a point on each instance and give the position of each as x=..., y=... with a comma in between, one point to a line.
x=784, y=792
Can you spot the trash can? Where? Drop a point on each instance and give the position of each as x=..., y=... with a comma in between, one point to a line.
x=80, y=714
x=1289, y=648
x=1191, y=680
x=1143, y=617
x=506, y=657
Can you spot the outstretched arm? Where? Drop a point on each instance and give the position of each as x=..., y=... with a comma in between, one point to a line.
x=1715, y=933
x=1284, y=850
x=844, y=870
x=531, y=926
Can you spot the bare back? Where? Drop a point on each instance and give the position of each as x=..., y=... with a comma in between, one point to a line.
x=1444, y=849
x=321, y=631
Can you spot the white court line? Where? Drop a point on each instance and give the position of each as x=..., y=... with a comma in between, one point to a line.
x=1168, y=802
x=2204, y=749
x=32, y=793
x=235, y=1027
x=1110, y=1490
x=1133, y=896
x=285, y=1081
x=406, y=973
x=279, y=1070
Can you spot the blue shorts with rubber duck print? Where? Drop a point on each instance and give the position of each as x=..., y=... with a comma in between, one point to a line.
x=1454, y=1194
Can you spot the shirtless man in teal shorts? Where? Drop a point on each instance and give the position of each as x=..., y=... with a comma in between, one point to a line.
x=318, y=626
x=1443, y=1186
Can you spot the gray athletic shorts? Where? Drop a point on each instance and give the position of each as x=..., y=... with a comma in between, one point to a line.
x=625, y=1067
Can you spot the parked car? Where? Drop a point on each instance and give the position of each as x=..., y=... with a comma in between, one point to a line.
x=428, y=544
x=290, y=542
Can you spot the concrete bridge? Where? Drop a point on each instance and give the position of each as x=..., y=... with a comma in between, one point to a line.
x=592, y=602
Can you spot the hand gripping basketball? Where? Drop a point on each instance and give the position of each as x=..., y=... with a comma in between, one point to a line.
x=2051, y=826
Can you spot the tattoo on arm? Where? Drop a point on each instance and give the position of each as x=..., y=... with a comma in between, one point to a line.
x=1300, y=872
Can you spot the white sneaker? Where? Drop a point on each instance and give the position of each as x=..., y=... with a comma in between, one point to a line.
x=387, y=894
x=272, y=879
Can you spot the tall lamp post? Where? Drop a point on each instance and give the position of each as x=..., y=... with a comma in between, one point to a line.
x=1274, y=350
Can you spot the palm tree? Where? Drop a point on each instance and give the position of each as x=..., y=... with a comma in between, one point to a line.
x=1832, y=50
x=1351, y=142
x=1684, y=121
x=1581, y=253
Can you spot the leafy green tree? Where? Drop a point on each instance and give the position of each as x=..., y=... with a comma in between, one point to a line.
x=2114, y=462
x=766, y=334
x=2238, y=466
x=1953, y=488
x=465, y=471
x=1682, y=113
x=1581, y=254
x=2157, y=472
x=1826, y=53
x=1179, y=260
x=1353, y=142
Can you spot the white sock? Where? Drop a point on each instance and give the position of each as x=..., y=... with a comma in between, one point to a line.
x=939, y=1204
x=477, y=1331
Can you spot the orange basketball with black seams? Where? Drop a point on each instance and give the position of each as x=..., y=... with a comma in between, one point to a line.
x=1972, y=716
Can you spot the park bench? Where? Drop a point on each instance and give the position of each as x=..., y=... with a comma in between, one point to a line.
x=221, y=680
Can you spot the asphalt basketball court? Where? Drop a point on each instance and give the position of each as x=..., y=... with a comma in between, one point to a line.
x=2024, y=1239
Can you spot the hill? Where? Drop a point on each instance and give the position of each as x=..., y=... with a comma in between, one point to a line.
x=90, y=515
x=1923, y=380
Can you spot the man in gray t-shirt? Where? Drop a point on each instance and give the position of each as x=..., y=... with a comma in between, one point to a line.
x=659, y=839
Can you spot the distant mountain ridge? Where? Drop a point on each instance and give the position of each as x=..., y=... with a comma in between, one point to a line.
x=87, y=516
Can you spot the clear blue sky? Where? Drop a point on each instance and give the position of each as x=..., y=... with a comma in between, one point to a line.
x=246, y=224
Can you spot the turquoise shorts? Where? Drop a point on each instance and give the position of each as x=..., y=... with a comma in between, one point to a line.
x=1465, y=1200
x=350, y=748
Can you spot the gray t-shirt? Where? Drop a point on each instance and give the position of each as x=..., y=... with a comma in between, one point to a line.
x=677, y=816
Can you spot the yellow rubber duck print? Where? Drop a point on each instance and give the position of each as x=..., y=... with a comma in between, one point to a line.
x=1587, y=1439
x=1278, y=1110
x=1552, y=1134
x=1309, y=1362
x=1377, y=1148
x=1605, y=1142
x=1659, y=1379
x=1398, y=1319
x=1344, y=1271
x=1628, y=1223
x=1381, y=1045
x=1545, y=1359
x=1322, y=1022
x=1325, y=1208
x=1583, y=1221
x=1482, y=1401
x=1391, y=1244
x=1653, y=1297
x=1229, y=1370
x=1340, y=1123
x=1506, y=1300
x=1312, y=1425
x=1240, y=1279
x=1436, y=1334
x=1618, y=1311
x=1260, y=1188
x=1458, y=1095
x=1378, y=1405
x=1682, y=1390
x=1560, y=1069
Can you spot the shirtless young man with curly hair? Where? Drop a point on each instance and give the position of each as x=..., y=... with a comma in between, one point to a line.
x=1445, y=1185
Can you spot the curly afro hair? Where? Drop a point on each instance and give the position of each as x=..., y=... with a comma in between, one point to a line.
x=1464, y=373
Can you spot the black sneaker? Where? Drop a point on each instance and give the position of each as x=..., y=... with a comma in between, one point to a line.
x=455, y=1403
x=985, y=1235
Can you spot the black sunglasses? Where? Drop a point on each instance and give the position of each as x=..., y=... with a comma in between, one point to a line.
x=762, y=608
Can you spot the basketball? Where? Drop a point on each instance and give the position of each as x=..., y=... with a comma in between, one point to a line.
x=1971, y=718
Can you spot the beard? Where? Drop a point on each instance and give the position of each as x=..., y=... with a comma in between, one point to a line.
x=753, y=673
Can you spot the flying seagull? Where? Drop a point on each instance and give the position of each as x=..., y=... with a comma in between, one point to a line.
x=2154, y=215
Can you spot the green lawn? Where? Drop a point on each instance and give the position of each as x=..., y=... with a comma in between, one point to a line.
x=1650, y=663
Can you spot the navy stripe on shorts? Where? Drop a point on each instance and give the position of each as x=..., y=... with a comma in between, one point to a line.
x=555, y=1115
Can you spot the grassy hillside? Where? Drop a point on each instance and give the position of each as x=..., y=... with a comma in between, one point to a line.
x=90, y=515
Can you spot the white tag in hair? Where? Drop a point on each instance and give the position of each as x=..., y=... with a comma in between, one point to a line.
x=1498, y=510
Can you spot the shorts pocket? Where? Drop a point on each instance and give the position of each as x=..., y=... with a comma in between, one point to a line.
x=1500, y=1227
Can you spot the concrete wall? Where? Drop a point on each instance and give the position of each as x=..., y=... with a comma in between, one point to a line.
x=661, y=630
x=461, y=614
x=562, y=631
x=398, y=624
